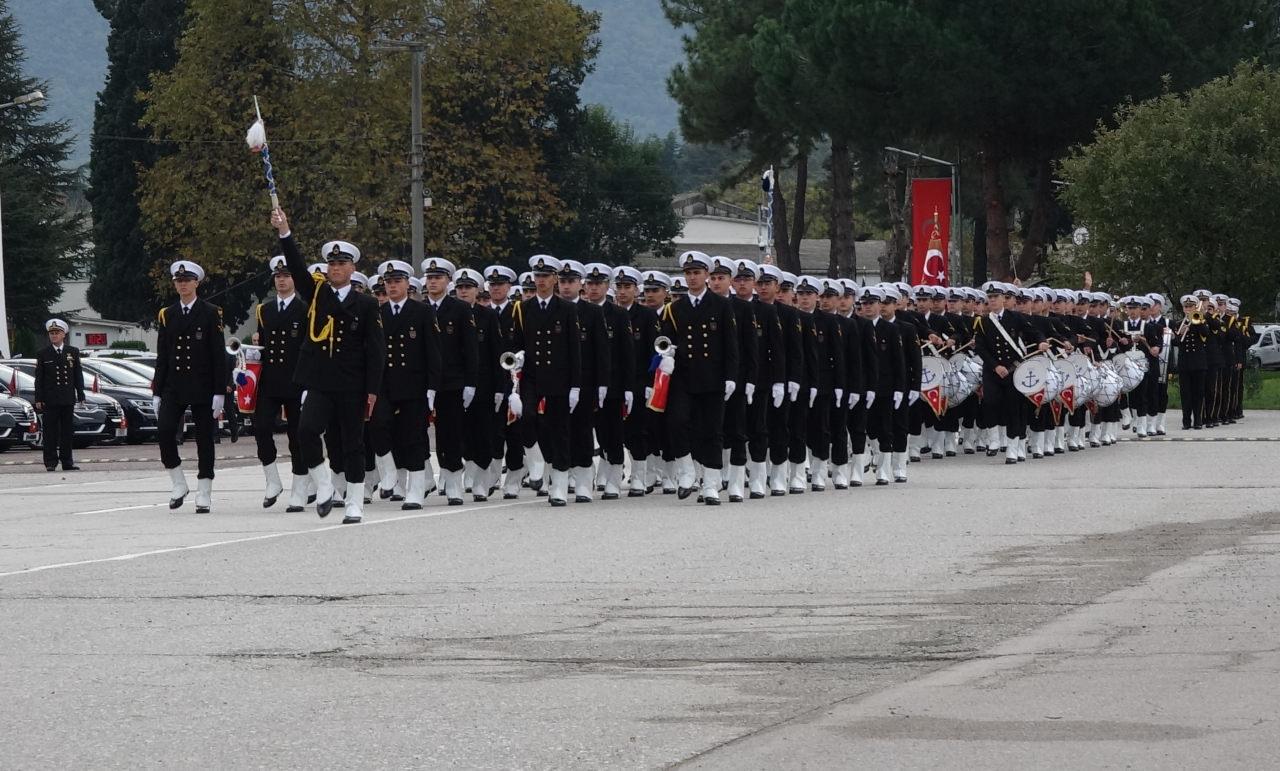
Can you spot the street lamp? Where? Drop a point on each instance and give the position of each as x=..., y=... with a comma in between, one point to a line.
x=35, y=97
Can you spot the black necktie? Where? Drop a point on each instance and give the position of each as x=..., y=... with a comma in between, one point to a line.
x=282, y=306
x=186, y=311
x=395, y=310
x=544, y=304
x=695, y=302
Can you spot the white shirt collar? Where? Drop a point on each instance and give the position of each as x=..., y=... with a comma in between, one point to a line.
x=342, y=293
x=187, y=306
x=284, y=300
x=697, y=297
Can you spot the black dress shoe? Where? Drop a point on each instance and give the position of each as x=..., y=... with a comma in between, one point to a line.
x=50, y=468
x=509, y=496
x=735, y=499
x=1010, y=462
x=72, y=467
x=685, y=492
x=324, y=508
x=992, y=453
x=757, y=496
x=777, y=493
x=609, y=497
x=557, y=502
x=311, y=499
x=455, y=501
x=535, y=484
x=293, y=509
x=269, y=502
x=351, y=520
x=635, y=493
x=712, y=501
x=385, y=494
x=410, y=506
x=882, y=482
x=950, y=453
x=175, y=503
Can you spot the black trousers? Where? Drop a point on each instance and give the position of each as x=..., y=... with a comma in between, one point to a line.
x=610, y=431
x=758, y=426
x=58, y=424
x=635, y=429
x=798, y=427
x=1002, y=405
x=880, y=421
x=735, y=426
x=695, y=425
x=839, y=423
x=399, y=428
x=170, y=423
x=450, y=425
x=858, y=426
x=264, y=430
x=1193, y=395
x=477, y=440
x=1209, y=405
x=551, y=429
x=818, y=430
x=582, y=440
x=339, y=417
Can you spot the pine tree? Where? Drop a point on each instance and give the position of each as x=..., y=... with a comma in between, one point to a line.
x=41, y=238
x=142, y=43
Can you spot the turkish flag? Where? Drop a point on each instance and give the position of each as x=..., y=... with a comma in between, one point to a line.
x=933, y=397
x=930, y=231
x=1068, y=398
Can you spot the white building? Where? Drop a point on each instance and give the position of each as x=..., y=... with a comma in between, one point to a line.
x=88, y=328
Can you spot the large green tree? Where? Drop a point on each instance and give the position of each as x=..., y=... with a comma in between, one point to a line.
x=42, y=238
x=1182, y=192
x=140, y=45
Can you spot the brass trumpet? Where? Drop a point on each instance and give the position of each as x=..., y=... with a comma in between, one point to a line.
x=663, y=345
x=511, y=362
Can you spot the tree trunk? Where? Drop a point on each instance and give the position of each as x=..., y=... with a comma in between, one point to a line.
x=891, y=260
x=781, y=243
x=1038, y=227
x=797, y=221
x=998, y=254
x=980, y=250
x=841, y=261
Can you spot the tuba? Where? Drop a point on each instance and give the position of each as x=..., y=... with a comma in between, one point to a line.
x=665, y=365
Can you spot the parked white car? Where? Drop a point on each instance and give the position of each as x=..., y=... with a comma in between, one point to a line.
x=1267, y=349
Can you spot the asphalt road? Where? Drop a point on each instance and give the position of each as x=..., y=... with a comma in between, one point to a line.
x=1111, y=607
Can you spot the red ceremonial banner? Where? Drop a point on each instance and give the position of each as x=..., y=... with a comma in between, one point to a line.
x=930, y=231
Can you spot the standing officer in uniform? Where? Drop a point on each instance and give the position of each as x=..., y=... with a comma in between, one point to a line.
x=398, y=428
x=190, y=372
x=59, y=388
x=643, y=323
x=769, y=288
x=1001, y=340
x=481, y=472
x=827, y=386
x=771, y=370
x=619, y=402
x=723, y=271
x=459, y=371
x=884, y=395
x=507, y=442
x=281, y=325
x=1192, y=340
x=596, y=364
x=701, y=325
x=340, y=366
x=546, y=329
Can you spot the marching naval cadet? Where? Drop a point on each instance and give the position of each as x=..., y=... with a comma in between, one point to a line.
x=190, y=372
x=397, y=430
x=1191, y=340
x=534, y=465
x=806, y=358
x=619, y=403
x=838, y=303
x=771, y=289
x=702, y=326
x=485, y=411
x=643, y=323
x=771, y=370
x=59, y=388
x=901, y=416
x=546, y=329
x=459, y=364
x=340, y=366
x=508, y=443
x=830, y=350
x=862, y=351
x=720, y=281
x=1158, y=380
x=596, y=365
x=1002, y=338
x=657, y=286
x=282, y=322
x=891, y=370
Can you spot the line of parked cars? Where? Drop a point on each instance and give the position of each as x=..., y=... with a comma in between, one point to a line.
x=117, y=405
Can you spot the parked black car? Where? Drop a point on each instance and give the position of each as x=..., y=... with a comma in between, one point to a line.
x=100, y=421
x=18, y=423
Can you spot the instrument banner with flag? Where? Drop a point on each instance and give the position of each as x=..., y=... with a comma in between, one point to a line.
x=930, y=231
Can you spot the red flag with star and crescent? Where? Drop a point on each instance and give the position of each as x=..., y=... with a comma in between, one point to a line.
x=931, y=226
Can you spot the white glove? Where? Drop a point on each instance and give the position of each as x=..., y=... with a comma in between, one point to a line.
x=897, y=399
x=793, y=390
x=515, y=405
x=911, y=397
x=813, y=396
x=601, y=392
x=498, y=399
x=301, y=401
x=431, y=400
x=573, y=398
x=468, y=393
x=871, y=398
x=628, y=400
x=648, y=394
x=729, y=388
x=776, y=392
x=750, y=390
x=218, y=402
x=155, y=402
x=854, y=398
x=839, y=397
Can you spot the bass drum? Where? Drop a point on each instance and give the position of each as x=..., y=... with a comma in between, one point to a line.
x=1070, y=382
x=968, y=369
x=933, y=373
x=1086, y=379
x=1109, y=385
x=1130, y=374
x=1031, y=377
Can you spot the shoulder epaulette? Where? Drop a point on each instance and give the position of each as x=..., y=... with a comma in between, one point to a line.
x=160, y=317
x=257, y=312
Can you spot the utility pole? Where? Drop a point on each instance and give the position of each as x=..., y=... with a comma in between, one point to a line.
x=417, y=196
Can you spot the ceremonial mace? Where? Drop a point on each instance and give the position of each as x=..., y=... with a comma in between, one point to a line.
x=256, y=138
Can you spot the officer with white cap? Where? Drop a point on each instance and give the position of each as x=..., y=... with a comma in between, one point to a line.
x=191, y=372
x=459, y=357
x=642, y=426
x=485, y=414
x=619, y=401
x=340, y=365
x=59, y=388
x=770, y=372
x=724, y=271
x=282, y=322
x=546, y=329
x=773, y=308
x=596, y=367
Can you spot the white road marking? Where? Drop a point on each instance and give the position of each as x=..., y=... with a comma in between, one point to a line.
x=118, y=508
x=266, y=536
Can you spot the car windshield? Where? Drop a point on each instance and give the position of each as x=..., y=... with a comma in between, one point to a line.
x=25, y=381
x=116, y=373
